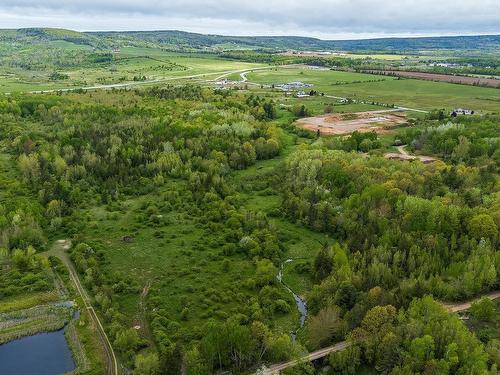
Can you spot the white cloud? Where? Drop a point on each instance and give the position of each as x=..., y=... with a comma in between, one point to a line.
x=321, y=18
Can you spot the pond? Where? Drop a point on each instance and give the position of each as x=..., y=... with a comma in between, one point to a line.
x=41, y=354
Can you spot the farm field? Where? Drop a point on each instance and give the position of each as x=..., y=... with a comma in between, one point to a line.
x=321, y=79
x=375, y=56
x=129, y=65
x=412, y=93
x=316, y=105
x=468, y=80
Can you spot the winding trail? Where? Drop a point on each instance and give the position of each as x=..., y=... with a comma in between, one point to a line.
x=457, y=307
x=244, y=77
x=59, y=251
x=402, y=154
x=276, y=368
x=222, y=74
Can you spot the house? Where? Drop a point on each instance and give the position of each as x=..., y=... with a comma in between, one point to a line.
x=461, y=111
x=302, y=94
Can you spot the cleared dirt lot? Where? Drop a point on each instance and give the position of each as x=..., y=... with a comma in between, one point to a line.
x=346, y=123
x=465, y=80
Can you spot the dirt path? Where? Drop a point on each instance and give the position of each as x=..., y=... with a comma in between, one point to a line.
x=242, y=72
x=457, y=307
x=276, y=368
x=140, y=83
x=143, y=313
x=402, y=154
x=59, y=251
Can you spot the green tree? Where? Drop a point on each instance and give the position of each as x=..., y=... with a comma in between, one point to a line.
x=265, y=272
x=325, y=327
x=323, y=263
x=483, y=226
x=146, y=364
x=484, y=309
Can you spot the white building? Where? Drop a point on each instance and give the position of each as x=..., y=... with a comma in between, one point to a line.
x=461, y=111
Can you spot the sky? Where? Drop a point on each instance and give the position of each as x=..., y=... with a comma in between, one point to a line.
x=325, y=19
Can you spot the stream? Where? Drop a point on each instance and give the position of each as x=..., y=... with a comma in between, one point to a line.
x=301, y=304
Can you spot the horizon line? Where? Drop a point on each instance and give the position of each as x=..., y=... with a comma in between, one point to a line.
x=407, y=36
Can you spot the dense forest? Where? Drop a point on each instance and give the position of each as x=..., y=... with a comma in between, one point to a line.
x=180, y=40
x=398, y=234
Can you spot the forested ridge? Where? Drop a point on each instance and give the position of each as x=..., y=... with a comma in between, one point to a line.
x=109, y=166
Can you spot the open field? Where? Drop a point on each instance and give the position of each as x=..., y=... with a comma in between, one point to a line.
x=322, y=80
x=412, y=93
x=374, y=56
x=152, y=66
x=130, y=64
x=466, y=80
x=337, y=124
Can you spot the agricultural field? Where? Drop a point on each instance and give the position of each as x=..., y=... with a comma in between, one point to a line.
x=384, y=57
x=321, y=79
x=410, y=93
x=458, y=79
x=128, y=65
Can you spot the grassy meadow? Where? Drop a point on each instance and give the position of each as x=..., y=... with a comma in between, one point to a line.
x=412, y=93
x=127, y=65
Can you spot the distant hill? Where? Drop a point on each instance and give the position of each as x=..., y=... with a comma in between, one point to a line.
x=180, y=40
x=185, y=39
x=38, y=35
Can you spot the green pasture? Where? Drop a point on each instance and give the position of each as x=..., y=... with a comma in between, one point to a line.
x=321, y=79
x=129, y=63
x=419, y=94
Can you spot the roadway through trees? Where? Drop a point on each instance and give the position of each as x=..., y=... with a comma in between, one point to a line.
x=276, y=368
x=59, y=251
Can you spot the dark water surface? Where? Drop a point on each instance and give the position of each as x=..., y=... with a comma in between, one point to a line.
x=41, y=354
x=301, y=304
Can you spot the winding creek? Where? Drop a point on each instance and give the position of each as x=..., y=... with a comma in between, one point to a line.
x=301, y=304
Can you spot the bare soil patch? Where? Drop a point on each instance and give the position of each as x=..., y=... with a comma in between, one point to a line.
x=346, y=123
x=402, y=154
